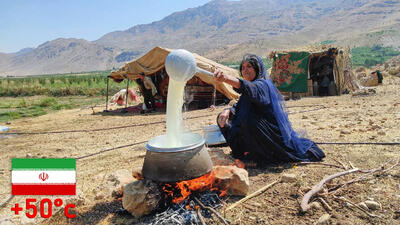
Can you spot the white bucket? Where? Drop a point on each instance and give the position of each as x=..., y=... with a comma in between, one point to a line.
x=213, y=135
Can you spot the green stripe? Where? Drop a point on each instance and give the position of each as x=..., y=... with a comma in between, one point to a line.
x=26, y=164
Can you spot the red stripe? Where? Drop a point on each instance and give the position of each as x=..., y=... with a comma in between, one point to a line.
x=69, y=189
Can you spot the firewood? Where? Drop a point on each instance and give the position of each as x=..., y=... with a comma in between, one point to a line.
x=222, y=219
x=304, y=203
x=258, y=192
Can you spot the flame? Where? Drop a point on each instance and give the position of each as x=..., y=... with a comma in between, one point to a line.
x=179, y=191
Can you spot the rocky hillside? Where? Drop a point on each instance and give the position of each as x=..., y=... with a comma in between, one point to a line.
x=222, y=30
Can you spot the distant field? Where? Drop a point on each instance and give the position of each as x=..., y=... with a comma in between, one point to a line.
x=12, y=108
x=370, y=56
x=38, y=95
x=84, y=84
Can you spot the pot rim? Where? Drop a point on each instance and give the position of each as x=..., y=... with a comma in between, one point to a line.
x=189, y=147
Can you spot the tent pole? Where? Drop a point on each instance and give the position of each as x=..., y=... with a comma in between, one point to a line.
x=126, y=99
x=107, y=94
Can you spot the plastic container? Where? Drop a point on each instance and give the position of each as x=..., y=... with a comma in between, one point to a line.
x=3, y=128
x=213, y=135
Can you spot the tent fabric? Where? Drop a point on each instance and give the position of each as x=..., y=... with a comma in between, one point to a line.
x=154, y=60
x=290, y=71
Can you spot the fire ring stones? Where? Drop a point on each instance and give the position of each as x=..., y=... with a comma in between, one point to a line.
x=141, y=197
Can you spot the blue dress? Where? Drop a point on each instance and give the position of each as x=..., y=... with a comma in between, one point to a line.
x=258, y=128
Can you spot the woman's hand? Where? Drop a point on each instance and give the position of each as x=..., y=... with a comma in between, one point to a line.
x=220, y=76
x=223, y=117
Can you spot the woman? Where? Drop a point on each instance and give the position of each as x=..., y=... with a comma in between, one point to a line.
x=257, y=128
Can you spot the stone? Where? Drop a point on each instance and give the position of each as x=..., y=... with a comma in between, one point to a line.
x=99, y=196
x=381, y=132
x=235, y=179
x=289, y=178
x=372, y=204
x=324, y=219
x=118, y=180
x=315, y=205
x=345, y=132
x=137, y=173
x=141, y=197
x=363, y=205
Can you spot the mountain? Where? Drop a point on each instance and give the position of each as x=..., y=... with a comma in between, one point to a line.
x=222, y=30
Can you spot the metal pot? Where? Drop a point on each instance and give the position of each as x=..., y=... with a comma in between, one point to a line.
x=176, y=164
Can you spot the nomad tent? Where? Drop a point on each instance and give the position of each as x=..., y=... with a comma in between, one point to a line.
x=201, y=89
x=318, y=70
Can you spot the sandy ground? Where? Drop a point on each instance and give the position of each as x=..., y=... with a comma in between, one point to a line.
x=373, y=118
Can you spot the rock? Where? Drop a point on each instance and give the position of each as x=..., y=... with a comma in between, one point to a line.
x=137, y=173
x=315, y=205
x=99, y=196
x=28, y=155
x=372, y=204
x=235, y=179
x=141, y=197
x=375, y=127
x=381, y=132
x=363, y=205
x=118, y=180
x=324, y=219
x=289, y=178
x=345, y=132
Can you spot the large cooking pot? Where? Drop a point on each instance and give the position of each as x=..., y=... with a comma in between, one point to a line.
x=189, y=161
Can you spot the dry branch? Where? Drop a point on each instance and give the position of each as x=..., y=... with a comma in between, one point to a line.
x=200, y=216
x=304, y=203
x=356, y=206
x=223, y=220
x=258, y=192
x=321, y=163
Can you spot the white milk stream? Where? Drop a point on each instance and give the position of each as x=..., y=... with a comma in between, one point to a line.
x=174, y=113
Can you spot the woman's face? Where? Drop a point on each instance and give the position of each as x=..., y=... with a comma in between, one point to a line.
x=248, y=71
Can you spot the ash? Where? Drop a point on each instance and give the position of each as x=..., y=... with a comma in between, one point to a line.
x=184, y=213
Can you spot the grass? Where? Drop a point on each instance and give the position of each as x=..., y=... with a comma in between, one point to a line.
x=87, y=84
x=369, y=56
x=12, y=108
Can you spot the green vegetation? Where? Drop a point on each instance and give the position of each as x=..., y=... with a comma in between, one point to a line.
x=88, y=84
x=20, y=107
x=37, y=95
x=235, y=65
x=327, y=42
x=370, y=56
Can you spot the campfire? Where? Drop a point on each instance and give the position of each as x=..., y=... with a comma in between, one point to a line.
x=184, y=202
x=179, y=191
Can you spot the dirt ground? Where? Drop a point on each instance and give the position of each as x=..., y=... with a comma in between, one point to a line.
x=346, y=118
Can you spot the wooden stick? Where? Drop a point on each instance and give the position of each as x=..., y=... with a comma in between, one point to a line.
x=351, y=164
x=212, y=210
x=325, y=204
x=200, y=216
x=304, y=202
x=344, y=166
x=321, y=163
x=358, y=207
x=258, y=192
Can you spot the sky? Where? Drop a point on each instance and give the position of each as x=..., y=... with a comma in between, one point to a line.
x=29, y=23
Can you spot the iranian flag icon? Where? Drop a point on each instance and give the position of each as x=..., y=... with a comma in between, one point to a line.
x=43, y=176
